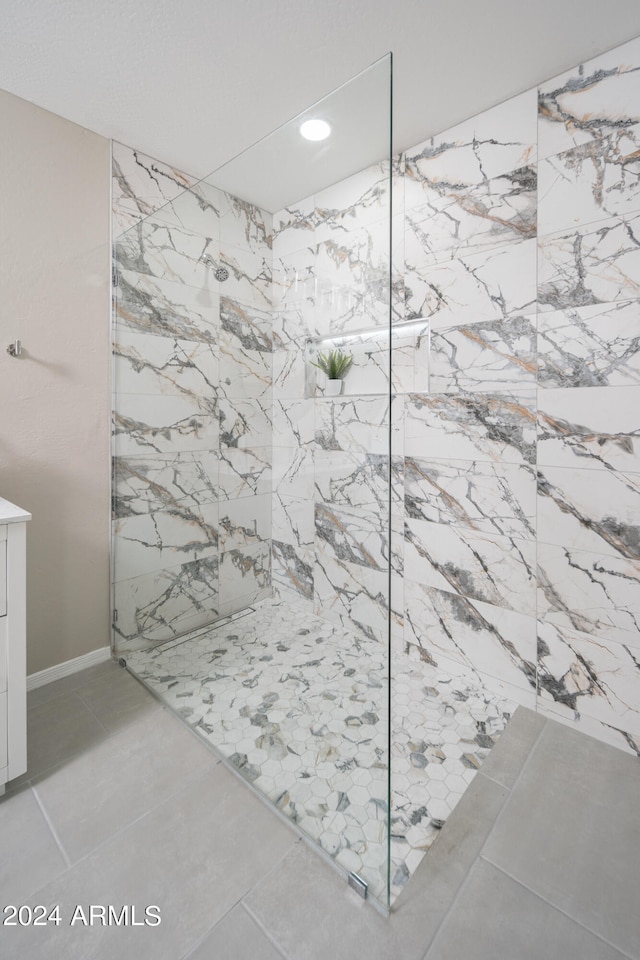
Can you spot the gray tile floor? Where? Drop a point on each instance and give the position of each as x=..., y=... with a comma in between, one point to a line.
x=122, y=804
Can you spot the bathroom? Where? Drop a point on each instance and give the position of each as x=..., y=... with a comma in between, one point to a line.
x=460, y=521
x=502, y=463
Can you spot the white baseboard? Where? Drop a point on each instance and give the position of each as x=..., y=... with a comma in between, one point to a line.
x=65, y=669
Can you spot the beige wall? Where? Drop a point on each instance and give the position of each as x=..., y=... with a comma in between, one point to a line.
x=54, y=402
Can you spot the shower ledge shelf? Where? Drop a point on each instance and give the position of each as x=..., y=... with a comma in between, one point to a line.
x=380, y=332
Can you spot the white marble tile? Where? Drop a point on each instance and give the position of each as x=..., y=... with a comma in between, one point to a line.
x=523, y=693
x=595, y=346
x=491, y=640
x=294, y=227
x=497, y=141
x=593, y=593
x=245, y=423
x=356, y=479
x=498, y=498
x=164, y=604
x=245, y=571
x=354, y=536
x=294, y=277
x=294, y=324
x=477, y=357
x=244, y=225
x=597, y=263
x=141, y=184
x=351, y=594
x=160, y=366
x=590, y=427
x=164, y=308
x=293, y=376
x=244, y=472
x=239, y=604
x=591, y=101
x=292, y=571
x=244, y=522
x=350, y=310
x=315, y=743
x=353, y=424
x=197, y=210
x=293, y=472
x=245, y=351
x=491, y=285
x=356, y=201
x=492, y=427
x=160, y=424
x=126, y=213
x=356, y=257
x=293, y=521
x=250, y=274
x=594, y=510
x=170, y=253
x=586, y=676
x=582, y=723
x=145, y=543
x=592, y=182
x=293, y=423
x=496, y=570
x=453, y=219
x=143, y=484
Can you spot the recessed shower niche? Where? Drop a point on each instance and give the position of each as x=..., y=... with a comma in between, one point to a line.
x=259, y=519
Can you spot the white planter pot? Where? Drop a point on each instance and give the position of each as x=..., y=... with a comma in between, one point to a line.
x=334, y=388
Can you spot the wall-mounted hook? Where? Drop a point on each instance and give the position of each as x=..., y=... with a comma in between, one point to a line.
x=15, y=349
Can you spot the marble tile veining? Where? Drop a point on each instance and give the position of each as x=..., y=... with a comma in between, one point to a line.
x=593, y=346
x=299, y=708
x=596, y=263
x=591, y=101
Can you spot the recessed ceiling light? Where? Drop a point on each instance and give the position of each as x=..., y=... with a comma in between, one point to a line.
x=315, y=129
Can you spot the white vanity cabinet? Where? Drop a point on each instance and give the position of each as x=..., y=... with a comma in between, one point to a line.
x=13, y=641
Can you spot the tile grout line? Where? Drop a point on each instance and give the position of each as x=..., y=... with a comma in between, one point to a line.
x=513, y=786
x=270, y=938
x=299, y=843
x=479, y=855
x=109, y=733
x=53, y=830
x=204, y=936
x=554, y=906
x=72, y=864
x=240, y=902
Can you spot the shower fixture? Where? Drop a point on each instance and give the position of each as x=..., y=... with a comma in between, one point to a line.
x=220, y=273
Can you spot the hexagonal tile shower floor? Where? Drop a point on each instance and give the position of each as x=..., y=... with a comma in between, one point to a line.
x=299, y=706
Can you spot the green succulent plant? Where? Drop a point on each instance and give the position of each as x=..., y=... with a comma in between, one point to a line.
x=334, y=364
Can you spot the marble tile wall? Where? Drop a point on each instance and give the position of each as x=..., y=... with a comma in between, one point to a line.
x=515, y=301
x=470, y=417
x=522, y=519
x=192, y=402
x=589, y=396
x=331, y=454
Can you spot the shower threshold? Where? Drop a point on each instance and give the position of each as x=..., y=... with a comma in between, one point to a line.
x=298, y=706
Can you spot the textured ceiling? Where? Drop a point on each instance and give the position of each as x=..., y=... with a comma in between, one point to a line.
x=194, y=83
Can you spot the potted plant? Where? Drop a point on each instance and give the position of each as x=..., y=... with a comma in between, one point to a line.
x=336, y=366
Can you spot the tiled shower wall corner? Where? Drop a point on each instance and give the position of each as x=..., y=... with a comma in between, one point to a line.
x=516, y=390
x=331, y=455
x=192, y=409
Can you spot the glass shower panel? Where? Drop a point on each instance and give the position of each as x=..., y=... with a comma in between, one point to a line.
x=252, y=561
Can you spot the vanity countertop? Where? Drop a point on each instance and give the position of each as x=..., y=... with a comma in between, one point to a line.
x=10, y=513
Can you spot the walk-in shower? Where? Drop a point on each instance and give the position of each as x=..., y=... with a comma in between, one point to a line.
x=259, y=510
